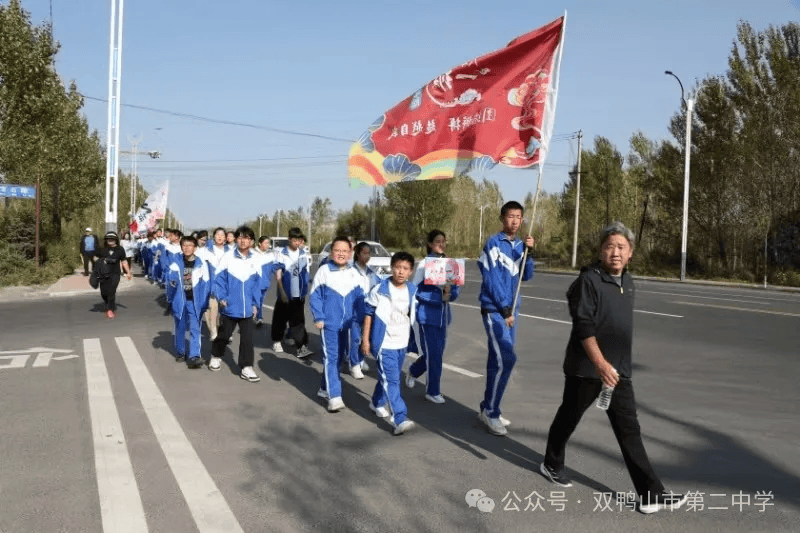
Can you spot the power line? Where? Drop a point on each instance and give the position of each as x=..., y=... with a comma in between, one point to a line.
x=227, y=122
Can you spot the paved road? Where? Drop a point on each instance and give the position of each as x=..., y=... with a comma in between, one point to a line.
x=103, y=431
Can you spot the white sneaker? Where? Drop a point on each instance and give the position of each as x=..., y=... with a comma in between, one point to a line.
x=364, y=366
x=248, y=374
x=356, y=372
x=402, y=427
x=335, y=404
x=435, y=399
x=303, y=352
x=215, y=363
x=410, y=381
x=277, y=347
x=323, y=394
x=493, y=425
x=381, y=411
x=505, y=421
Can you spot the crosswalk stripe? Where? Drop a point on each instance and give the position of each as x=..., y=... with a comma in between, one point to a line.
x=120, y=504
x=206, y=503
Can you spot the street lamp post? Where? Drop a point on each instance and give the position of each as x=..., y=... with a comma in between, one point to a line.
x=260, y=218
x=480, y=226
x=684, y=233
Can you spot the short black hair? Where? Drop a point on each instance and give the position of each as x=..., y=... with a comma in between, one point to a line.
x=432, y=236
x=341, y=238
x=296, y=233
x=202, y=234
x=220, y=228
x=360, y=246
x=178, y=233
x=508, y=206
x=245, y=231
x=262, y=239
x=403, y=256
x=188, y=238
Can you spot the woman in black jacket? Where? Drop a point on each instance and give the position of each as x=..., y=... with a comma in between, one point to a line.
x=109, y=262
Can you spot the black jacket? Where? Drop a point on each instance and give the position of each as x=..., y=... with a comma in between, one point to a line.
x=602, y=309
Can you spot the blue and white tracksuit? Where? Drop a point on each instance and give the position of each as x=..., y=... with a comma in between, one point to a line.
x=370, y=279
x=333, y=299
x=433, y=318
x=171, y=251
x=268, y=266
x=378, y=305
x=158, y=250
x=500, y=267
x=187, y=313
x=237, y=282
x=298, y=270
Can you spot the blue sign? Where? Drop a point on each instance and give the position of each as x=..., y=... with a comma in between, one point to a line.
x=17, y=191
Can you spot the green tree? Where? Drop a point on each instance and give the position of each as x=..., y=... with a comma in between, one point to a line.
x=419, y=206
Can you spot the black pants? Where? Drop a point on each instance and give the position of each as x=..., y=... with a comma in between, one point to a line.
x=579, y=394
x=292, y=313
x=108, y=290
x=87, y=260
x=228, y=324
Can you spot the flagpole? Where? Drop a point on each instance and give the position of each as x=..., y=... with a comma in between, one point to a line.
x=547, y=128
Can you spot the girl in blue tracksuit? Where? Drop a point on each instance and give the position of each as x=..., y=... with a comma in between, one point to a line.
x=336, y=289
x=501, y=265
x=433, y=317
x=390, y=312
x=187, y=291
x=370, y=279
x=212, y=254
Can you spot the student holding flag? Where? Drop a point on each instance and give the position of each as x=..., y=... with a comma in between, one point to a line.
x=500, y=266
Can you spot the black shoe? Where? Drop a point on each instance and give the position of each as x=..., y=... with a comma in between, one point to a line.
x=664, y=501
x=559, y=478
x=180, y=358
x=194, y=362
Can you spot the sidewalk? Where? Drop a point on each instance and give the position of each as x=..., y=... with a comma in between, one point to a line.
x=66, y=286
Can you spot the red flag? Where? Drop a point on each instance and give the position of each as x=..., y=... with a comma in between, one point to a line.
x=497, y=108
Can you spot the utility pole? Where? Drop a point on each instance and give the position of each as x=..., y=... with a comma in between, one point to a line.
x=133, y=177
x=685, y=231
x=114, y=86
x=310, y=205
x=374, y=207
x=577, y=202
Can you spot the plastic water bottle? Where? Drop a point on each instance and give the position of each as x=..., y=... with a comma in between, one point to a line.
x=604, y=398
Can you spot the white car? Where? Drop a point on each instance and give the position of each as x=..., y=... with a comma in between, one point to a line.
x=379, y=259
x=277, y=243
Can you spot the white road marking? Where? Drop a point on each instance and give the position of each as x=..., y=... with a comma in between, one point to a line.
x=731, y=308
x=454, y=368
x=635, y=310
x=206, y=503
x=42, y=359
x=120, y=504
x=654, y=313
x=15, y=361
x=521, y=314
x=678, y=294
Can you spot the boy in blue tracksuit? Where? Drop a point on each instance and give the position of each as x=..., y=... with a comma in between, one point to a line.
x=390, y=311
x=500, y=266
x=433, y=318
x=370, y=278
x=188, y=288
x=336, y=289
x=237, y=288
x=292, y=274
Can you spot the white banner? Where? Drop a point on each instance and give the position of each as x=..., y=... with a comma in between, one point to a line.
x=153, y=209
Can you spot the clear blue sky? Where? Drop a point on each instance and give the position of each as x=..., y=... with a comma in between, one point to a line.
x=331, y=68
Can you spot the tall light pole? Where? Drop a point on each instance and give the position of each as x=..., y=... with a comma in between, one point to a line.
x=577, y=202
x=260, y=218
x=684, y=234
x=114, y=85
